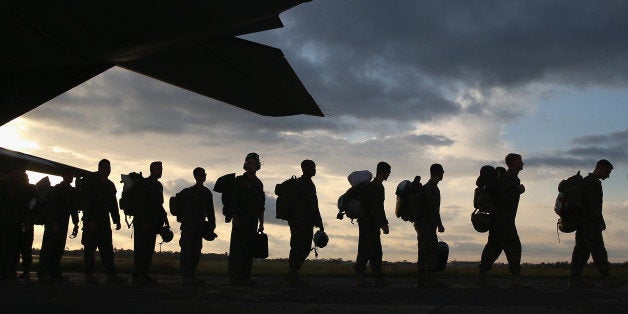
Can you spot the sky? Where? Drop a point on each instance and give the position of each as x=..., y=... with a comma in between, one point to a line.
x=408, y=82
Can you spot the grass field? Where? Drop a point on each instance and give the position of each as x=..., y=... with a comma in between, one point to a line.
x=167, y=263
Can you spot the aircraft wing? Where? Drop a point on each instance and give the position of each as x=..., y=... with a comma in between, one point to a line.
x=242, y=73
x=37, y=164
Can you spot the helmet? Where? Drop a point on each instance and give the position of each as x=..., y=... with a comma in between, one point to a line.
x=166, y=234
x=208, y=232
x=567, y=225
x=320, y=239
x=481, y=220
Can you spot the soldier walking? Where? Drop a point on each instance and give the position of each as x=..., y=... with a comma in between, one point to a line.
x=426, y=225
x=305, y=216
x=373, y=219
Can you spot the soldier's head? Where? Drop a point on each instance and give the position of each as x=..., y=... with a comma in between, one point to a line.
x=104, y=168
x=68, y=175
x=252, y=163
x=436, y=172
x=603, y=169
x=156, y=169
x=308, y=167
x=383, y=170
x=514, y=162
x=199, y=175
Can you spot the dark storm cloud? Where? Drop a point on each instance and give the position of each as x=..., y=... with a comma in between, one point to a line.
x=375, y=61
x=587, y=150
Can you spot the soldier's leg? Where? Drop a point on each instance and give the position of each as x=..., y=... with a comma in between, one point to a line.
x=376, y=254
x=142, y=252
x=105, y=248
x=233, y=266
x=45, y=254
x=363, y=250
x=58, y=249
x=248, y=247
x=300, y=246
x=90, y=243
x=580, y=255
x=595, y=242
x=187, y=247
x=491, y=252
x=196, y=253
x=26, y=251
x=509, y=239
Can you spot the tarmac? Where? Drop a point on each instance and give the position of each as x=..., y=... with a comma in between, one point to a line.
x=322, y=295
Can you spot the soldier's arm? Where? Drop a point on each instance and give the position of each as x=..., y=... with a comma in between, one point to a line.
x=209, y=211
x=114, y=210
x=380, y=212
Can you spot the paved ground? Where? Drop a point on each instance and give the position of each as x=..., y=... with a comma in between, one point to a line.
x=324, y=295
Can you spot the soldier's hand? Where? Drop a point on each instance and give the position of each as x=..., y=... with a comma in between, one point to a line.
x=261, y=228
x=441, y=229
x=235, y=222
x=385, y=229
x=118, y=226
x=522, y=188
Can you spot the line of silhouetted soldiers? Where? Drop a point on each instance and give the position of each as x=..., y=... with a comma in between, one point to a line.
x=497, y=197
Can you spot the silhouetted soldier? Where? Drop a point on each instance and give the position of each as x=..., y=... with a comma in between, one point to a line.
x=302, y=220
x=502, y=234
x=61, y=206
x=193, y=219
x=13, y=211
x=150, y=217
x=247, y=209
x=100, y=202
x=589, y=240
x=373, y=219
x=426, y=225
x=27, y=227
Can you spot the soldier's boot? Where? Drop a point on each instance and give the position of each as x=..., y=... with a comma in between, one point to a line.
x=483, y=282
x=116, y=279
x=432, y=282
x=575, y=282
x=192, y=281
x=518, y=283
x=380, y=281
x=420, y=281
x=360, y=281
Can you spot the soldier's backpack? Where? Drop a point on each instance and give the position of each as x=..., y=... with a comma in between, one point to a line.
x=179, y=203
x=129, y=199
x=224, y=186
x=484, y=197
x=41, y=201
x=569, y=202
x=350, y=203
x=409, y=199
x=287, y=198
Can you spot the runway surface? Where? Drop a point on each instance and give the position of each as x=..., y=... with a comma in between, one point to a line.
x=323, y=295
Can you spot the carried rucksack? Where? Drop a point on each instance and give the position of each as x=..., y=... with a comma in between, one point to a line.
x=130, y=188
x=179, y=203
x=484, y=197
x=409, y=199
x=41, y=201
x=224, y=186
x=350, y=203
x=287, y=198
x=569, y=202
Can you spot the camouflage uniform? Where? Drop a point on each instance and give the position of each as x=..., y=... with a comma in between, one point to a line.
x=589, y=240
x=503, y=233
x=192, y=218
x=248, y=205
x=100, y=203
x=60, y=207
x=305, y=216
x=150, y=216
x=369, y=241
